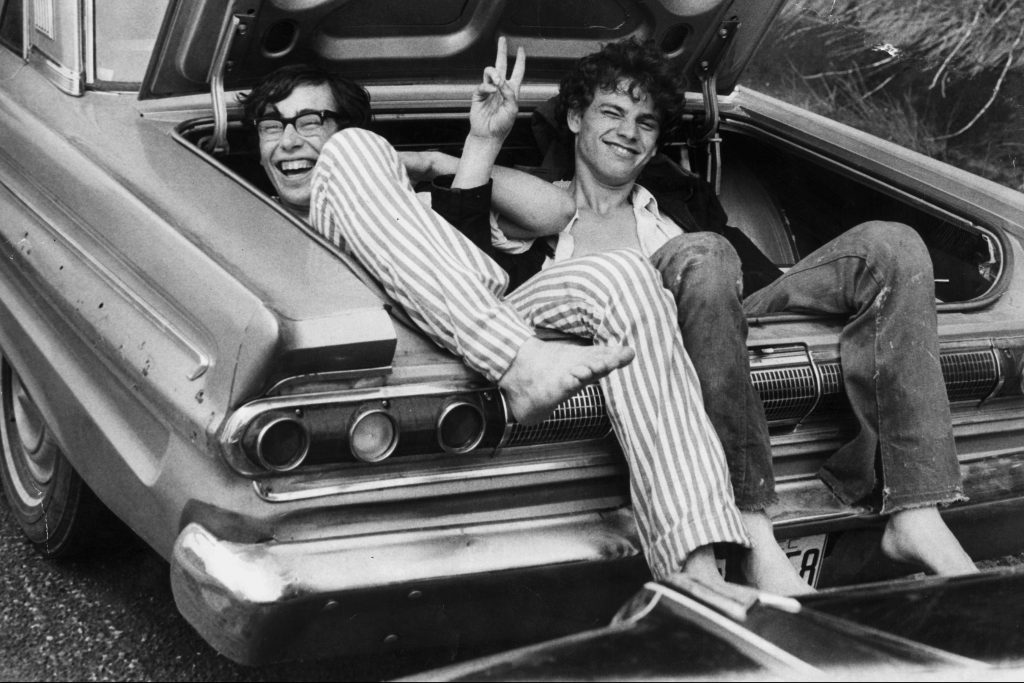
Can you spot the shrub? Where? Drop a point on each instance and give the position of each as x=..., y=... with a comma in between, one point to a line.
x=942, y=77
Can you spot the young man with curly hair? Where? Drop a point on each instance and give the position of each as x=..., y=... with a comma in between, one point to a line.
x=617, y=103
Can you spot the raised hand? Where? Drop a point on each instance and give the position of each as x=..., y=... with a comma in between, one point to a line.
x=496, y=100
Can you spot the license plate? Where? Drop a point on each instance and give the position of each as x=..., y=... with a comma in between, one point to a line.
x=806, y=554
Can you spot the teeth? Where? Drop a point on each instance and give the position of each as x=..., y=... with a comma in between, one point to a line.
x=296, y=166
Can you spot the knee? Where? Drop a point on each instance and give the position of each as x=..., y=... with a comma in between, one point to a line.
x=896, y=250
x=700, y=264
x=622, y=275
x=351, y=145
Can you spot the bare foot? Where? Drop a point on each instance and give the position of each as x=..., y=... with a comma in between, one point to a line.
x=702, y=565
x=544, y=374
x=920, y=537
x=766, y=566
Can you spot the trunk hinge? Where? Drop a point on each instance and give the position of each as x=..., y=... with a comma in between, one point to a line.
x=707, y=69
x=233, y=33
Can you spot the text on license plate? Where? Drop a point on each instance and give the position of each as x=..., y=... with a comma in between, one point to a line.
x=806, y=554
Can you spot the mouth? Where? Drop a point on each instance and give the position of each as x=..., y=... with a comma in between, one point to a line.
x=621, y=150
x=295, y=167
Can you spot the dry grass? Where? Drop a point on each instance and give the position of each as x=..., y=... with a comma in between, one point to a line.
x=943, y=77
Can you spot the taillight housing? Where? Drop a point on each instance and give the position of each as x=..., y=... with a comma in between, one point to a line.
x=363, y=427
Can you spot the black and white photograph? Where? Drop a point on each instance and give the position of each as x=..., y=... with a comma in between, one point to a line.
x=440, y=340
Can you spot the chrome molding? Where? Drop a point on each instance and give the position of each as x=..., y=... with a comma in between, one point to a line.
x=339, y=376
x=67, y=80
x=218, y=144
x=267, y=489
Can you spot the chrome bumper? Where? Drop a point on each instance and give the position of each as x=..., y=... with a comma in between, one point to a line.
x=262, y=602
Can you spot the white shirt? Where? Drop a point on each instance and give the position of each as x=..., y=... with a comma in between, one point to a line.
x=652, y=229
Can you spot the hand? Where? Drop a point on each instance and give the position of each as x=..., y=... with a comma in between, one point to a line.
x=496, y=100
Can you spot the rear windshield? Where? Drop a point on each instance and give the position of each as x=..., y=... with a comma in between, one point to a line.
x=125, y=35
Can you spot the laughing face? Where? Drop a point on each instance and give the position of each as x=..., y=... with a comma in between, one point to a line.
x=616, y=135
x=289, y=159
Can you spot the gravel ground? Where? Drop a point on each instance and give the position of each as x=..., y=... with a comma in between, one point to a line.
x=113, y=618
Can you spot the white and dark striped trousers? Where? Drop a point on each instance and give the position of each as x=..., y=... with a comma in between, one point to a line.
x=363, y=202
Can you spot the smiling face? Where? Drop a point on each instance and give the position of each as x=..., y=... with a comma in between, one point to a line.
x=616, y=135
x=289, y=159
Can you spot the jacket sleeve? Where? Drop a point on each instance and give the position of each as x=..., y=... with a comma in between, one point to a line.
x=469, y=211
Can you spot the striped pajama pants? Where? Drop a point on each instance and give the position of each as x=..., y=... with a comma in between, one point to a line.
x=363, y=202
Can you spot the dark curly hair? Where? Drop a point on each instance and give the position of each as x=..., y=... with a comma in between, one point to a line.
x=351, y=99
x=640, y=66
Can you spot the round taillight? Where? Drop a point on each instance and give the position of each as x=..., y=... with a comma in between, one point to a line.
x=460, y=427
x=282, y=444
x=373, y=435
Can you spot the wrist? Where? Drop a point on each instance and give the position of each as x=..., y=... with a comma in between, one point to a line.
x=483, y=144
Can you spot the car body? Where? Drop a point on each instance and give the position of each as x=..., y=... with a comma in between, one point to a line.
x=183, y=349
x=913, y=629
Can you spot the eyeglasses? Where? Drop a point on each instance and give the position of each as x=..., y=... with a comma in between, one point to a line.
x=308, y=124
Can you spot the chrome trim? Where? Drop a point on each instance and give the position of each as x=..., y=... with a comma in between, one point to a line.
x=218, y=144
x=295, y=461
x=445, y=412
x=1001, y=373
x=246, y=596
x=359, y=417
x=89, y=40
x=265, y=488
x=333, y=376
x=67, y=80
x=509, y=421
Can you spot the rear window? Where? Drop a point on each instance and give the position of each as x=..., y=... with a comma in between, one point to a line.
x=125, y=35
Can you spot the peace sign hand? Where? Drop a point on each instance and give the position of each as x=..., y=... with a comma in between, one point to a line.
x=496, y=100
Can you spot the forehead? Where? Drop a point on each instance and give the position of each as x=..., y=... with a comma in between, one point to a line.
x=635, y=100
x=305, y=97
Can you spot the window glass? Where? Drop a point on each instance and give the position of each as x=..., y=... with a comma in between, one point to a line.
x=125, y=35
x=944, y=78
x=11, y=24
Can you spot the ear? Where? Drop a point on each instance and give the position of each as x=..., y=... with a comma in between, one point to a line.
x=573, y=118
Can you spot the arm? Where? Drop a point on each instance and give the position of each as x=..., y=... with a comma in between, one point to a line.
x=530, y=207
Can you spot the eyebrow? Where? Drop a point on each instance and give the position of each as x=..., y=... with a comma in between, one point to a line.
x=274, y=111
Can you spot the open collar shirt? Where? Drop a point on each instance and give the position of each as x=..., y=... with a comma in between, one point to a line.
x=653, y=230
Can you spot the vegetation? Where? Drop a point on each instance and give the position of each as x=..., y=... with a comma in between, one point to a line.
x=943, y=77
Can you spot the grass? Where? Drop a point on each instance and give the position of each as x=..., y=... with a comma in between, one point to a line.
x=943, y=77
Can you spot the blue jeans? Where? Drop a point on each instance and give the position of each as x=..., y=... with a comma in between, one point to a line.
x=877, y=276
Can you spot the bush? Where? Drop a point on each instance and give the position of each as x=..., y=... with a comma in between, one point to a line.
x=944, y=77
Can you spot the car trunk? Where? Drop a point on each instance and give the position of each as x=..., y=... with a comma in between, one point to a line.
x=788, y=203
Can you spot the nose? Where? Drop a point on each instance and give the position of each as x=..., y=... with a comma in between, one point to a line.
x=290, y=136
x=627, y=128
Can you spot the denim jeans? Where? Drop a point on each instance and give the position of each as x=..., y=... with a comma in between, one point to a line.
x=702, y=271
x=878, y=276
